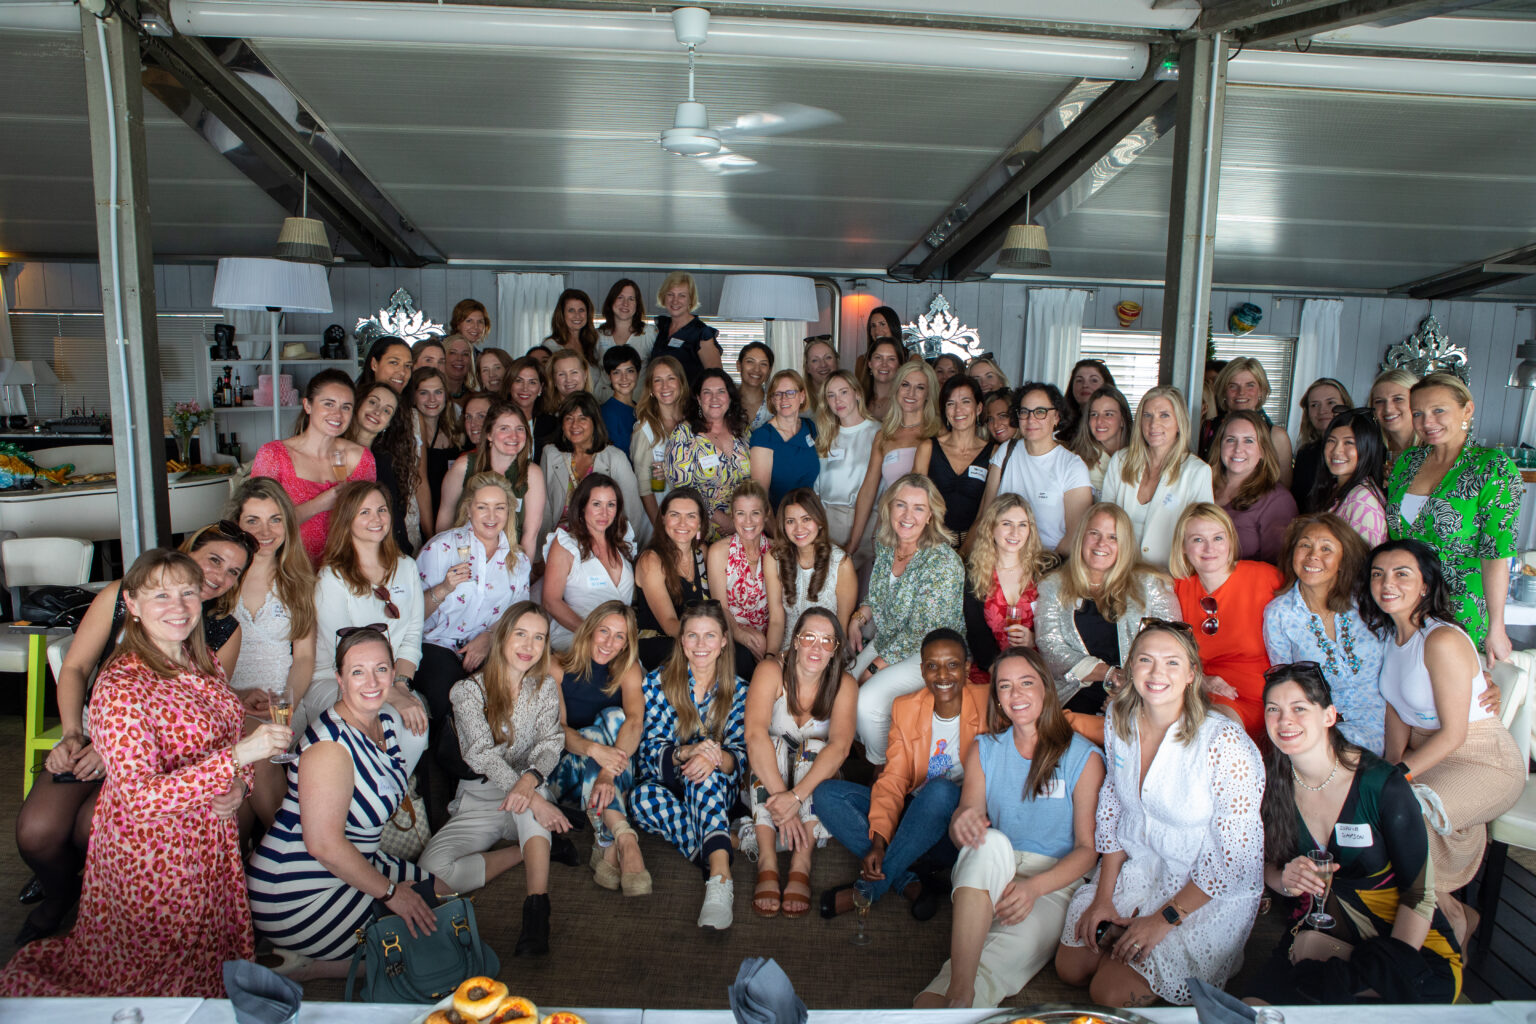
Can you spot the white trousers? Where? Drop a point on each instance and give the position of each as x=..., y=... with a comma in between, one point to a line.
x=1012, y=954
x=476, y=824
x=839, y=523
x=323, y=694
x=877, y=695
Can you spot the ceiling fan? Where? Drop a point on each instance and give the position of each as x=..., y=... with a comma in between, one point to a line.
x=691, y=136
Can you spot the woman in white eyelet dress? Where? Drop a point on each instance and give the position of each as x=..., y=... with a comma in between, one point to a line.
x=1194, y=822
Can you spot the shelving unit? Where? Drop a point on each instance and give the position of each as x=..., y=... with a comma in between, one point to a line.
x=258, y=424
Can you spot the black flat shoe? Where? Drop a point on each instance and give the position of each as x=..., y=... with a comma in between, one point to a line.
x=829, y=899
x=563, y=851
x=927, y=902
x=44, y=920
x=32, y=892
x=534, y=938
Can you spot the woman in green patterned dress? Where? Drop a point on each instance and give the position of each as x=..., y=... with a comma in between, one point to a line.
x=1464, y=502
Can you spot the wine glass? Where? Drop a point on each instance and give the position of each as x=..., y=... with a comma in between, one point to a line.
x=280, y=707
x=1322, y=860
x=861, y=905
x=464, y=553
x=339, y=465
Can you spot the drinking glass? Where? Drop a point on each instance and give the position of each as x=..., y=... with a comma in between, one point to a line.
x=658, y=474
x=464, y=552
x=1321, y=860
x=339, y=465
x=861, y=905
x=280, y=707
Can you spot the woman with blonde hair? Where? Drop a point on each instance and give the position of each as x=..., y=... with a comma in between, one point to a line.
x=505, y=449
x=820, y=361
x=985, y=371
x=1223, y=599
x=1105, y=428
x=602, y=707
x=956, y=460
x=1247, y=482
x=1003, y=572
x=1389, y=400
x=1181, y=842
x=737, y=568
x=569, y=373
x=1243, y=386
x=1088, y=611
x=913, y=417
x=845, y=436
x=664, y=399
x=680, y=334
x=1157, y=475
x=917, y=585
x=1324, y=399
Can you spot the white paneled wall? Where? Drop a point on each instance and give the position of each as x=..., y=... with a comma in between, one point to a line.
x=1488, y=330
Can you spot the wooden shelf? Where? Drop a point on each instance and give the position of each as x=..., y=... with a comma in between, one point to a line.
x=283, y=362
x=252, y=408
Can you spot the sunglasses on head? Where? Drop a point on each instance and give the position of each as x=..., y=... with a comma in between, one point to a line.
x=228, y=529
x=346, y=631
x=391, y=610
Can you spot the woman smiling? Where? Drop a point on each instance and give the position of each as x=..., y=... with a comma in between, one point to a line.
x=1157, y=477
x=1247, y=483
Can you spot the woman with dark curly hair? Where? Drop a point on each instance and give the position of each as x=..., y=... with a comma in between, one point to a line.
x=383, y=429
x=710, y=452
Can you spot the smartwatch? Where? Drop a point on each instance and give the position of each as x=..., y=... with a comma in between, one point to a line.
x=1172, y=915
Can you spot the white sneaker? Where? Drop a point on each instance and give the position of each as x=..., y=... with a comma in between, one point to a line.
x=716, y=911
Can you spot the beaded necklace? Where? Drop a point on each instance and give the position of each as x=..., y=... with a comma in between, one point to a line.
x=1346, y=642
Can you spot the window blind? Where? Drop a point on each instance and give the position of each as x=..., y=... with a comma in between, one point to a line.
x=735, y=335
x=1132, y=356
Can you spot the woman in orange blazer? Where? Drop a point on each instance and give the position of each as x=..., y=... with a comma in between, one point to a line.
x=905, y=818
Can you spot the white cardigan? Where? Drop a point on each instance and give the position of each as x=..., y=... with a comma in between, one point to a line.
x=336, y=606
x=1154, y=521
x=557, y=485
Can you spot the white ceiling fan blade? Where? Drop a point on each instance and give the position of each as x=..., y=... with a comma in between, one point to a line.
x=780, y=119
x=728, y=162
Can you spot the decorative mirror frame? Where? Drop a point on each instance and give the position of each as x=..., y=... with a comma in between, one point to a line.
x=940, y=332
x=1427, y=351
x=400, y=319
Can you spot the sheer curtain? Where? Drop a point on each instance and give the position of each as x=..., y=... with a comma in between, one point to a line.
x=1053, y=334
x=524, y=304
x=787, y=339
x=1317, y=351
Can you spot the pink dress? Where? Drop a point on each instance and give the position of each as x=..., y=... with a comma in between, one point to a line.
x=745, y=594
x=164, y=903
x=1363, y=509
x=273, y=459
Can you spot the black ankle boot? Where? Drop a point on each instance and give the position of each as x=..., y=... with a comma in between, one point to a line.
x=563, y=851
x=534, y=938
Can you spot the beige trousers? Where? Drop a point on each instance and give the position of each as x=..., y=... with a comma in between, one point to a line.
x=477, y=824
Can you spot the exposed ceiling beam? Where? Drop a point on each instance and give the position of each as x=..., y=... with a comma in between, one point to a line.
x=1303, y=19
x=995, y=215
x=1477, y=276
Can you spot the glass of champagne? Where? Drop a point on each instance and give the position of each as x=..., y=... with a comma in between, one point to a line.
x=658, y=471
x=280, y=707
x=861, y=905
x=339, y=465
x=464, y=553
x=1322, y=862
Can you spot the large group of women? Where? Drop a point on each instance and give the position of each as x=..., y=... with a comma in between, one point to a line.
x=1110, y=689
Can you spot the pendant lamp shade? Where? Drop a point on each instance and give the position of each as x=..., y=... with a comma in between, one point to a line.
x=303, y=240
x=1025, y=248
x=769, y=297
x=250, y=283
x=1524, y=374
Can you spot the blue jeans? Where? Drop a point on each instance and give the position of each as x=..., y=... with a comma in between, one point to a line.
x=924, y=827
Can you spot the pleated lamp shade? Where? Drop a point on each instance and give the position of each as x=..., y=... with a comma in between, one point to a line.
x=250, y=283
x=1025, y=248
x=303, y=240
x=768, y=297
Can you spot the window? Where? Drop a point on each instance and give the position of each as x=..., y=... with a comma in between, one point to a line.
x=1132, y=356
x=735, y=335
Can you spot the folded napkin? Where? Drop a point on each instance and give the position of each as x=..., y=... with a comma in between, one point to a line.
x=1213, y=1006
x=1434, y=811
x=259, y=994
x=762, y=994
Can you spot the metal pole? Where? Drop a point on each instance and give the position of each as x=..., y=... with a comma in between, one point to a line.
x=119, y=170
x=1192, y=218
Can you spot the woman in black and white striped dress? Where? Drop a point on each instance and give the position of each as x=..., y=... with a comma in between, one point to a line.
x=315, y=880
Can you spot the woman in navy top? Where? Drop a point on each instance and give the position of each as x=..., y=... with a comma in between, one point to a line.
x=1025, y=831
x=784, y=449
x=682, y=335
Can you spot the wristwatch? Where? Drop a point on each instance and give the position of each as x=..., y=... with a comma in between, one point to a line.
x=1173, y=914
x=389, y=893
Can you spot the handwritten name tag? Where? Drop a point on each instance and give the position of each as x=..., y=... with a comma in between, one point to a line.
x=810, y=442
x=594, y=582
x=1352, y=835
x=1056, y=789
x=709, y=463
x=890, y=457
x=977, y=472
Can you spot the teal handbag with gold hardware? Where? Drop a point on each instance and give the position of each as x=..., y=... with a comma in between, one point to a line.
x=424, y=969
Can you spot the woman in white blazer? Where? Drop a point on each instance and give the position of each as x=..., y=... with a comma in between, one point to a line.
x=1157, y=476
x=580, y=448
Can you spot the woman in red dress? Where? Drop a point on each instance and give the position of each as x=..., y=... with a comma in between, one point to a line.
x=164, y=902
x=1224, y=599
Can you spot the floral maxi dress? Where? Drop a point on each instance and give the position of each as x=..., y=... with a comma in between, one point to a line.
x=164, y=903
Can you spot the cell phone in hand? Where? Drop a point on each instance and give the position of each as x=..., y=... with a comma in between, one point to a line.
x=1107, y=934
x=65, y=777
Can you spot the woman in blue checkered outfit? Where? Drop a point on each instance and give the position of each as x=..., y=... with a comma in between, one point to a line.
x=692, y=752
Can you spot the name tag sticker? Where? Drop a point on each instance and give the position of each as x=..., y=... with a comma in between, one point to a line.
x=1168, y=499
x=594, y=582
x=709, y=462
x=659, y=452
x=977, y=472
x=1352, y=835
x=1042, y=495
x=675, y=342
x=890, y=457
x=834, y=454
x=810, y=442
x=1056, y=789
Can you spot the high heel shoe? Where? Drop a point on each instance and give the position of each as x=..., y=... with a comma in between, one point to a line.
x=32, y=892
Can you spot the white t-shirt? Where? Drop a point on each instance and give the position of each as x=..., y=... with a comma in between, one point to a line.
x=944, y=749
x=1042, y=480
x=846, y=464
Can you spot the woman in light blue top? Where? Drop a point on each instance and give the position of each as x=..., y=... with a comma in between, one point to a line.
x=1315, y=618
x=1025, y=830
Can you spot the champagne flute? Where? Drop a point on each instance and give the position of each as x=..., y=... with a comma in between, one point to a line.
x=339, y=465
x=280, y=707
x=861, y=905
x=464, y=553
x=1322, y=862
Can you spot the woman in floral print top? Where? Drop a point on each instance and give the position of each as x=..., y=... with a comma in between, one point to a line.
x=710, y=451
x=1464, y=502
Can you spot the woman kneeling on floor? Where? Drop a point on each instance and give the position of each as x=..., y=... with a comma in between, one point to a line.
x=1025, y=831
x=800, y=726
x=508, y=722
x=692, y=750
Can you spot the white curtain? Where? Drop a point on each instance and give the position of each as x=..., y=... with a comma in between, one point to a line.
x=1317, y=351
x=787, y=339
x=524, y=305
x=1053, y=334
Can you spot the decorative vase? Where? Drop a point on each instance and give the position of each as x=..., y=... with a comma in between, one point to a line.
x=184, y=448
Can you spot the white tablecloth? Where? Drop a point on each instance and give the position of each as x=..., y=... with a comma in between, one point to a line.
x=1502, y=1013
x=218, y=1011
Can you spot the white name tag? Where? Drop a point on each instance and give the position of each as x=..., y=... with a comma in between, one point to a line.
x=675, y=342
x=977, y=472
x=810, y=442
x=709, y=462
x=594, y=582
x=834, y=454
x=1352, y=835
x=1056, y=789
x=659, y=452
x=890, y=458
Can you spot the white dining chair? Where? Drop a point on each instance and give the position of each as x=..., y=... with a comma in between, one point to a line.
x=36, y=562
x=1516, y=680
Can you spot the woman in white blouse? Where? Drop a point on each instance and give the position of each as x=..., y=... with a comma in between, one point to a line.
x=624, y=320
x=1178, y=885
x=1046, y=474
x=589, y=560
x=581, y=447
x=506, y=448
x=1157, y=477
x=845, y=435
x=807, y=569
x=364, y=579
x=662, y=404
x=471, y=573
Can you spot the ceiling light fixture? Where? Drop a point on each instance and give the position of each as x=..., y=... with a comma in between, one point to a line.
x=1523, y=376
x=1025, y=246
x=303, y=238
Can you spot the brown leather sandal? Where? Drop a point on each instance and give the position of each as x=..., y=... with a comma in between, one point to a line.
x=767, y=890
x=797, y=903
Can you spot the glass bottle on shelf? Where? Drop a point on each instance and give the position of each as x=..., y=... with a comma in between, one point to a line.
x=239, y=397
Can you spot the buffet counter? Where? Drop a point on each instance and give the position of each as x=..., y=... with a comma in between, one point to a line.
x=89, y=511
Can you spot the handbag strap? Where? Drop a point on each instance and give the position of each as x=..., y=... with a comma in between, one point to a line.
x=357, y=958
x=406, y=804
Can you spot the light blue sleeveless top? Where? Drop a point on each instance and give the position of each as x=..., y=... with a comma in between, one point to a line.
x=1042, y=824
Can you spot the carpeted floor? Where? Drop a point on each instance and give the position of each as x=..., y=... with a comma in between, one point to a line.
x=612, y=951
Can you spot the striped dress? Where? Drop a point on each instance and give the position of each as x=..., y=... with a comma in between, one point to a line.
x=295, y=901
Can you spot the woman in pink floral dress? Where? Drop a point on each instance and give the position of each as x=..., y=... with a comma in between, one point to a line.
x=164, y=902
x=736, y=574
